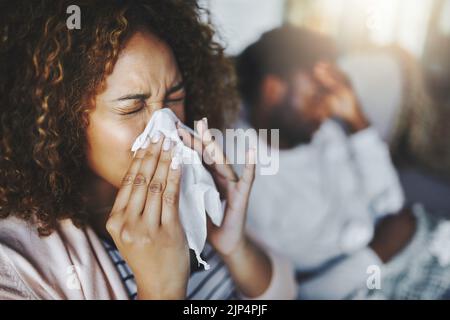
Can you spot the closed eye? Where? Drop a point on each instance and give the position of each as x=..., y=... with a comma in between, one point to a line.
x=175, y=100
x=137, y=108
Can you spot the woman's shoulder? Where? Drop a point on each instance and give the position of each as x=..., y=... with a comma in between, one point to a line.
x=52, y=264
x=22, y=237
x=27, y=258
x=17, y=237
x=13, y=225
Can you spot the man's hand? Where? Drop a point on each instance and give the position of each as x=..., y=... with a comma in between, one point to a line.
x=338, y=96
x=392, y=234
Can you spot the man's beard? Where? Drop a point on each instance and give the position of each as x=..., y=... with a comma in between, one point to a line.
x=294, y=129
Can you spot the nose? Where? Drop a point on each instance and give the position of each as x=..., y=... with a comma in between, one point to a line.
x=152, y=107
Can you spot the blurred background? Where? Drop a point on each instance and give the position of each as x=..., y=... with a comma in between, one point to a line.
x=397, y=56
x=422, y=27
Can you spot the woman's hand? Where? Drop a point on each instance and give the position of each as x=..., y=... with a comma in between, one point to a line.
x=248, y=264
x=338, y=97
x=145, y=225
x=230, y=236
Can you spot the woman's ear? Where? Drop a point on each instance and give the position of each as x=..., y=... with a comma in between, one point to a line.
x=273, y=90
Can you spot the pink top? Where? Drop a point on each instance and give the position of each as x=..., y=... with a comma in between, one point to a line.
x=72, y=263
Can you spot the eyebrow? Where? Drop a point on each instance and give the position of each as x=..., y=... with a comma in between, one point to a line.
x=135, y=96
x=175, y=88
x=145, y=96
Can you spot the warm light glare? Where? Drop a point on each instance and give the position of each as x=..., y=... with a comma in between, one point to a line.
x=381, y=22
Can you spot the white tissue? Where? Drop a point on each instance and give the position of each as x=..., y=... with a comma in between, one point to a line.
x=198, y=193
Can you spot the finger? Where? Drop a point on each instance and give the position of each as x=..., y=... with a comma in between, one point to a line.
x=332, y=78
x=151, y=157
x=202, y=128
x=339, y=75
x=190, y=141
x=212, y=150
x=245, y=182
x=193, y=142
x=149, y=162
x=334, y=104
x=152, y=211
x=207, y=147
x=325, y=77
x=196, y=144
x=171, y=194
x=124, y=192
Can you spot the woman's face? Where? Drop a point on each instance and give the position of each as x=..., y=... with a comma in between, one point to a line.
x=145, y=79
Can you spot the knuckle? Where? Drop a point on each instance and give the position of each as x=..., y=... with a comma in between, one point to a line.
x=113, y=224
x=164, y=160
x=173, y=179
x=146, y=239
x=156, y=187
x=128, y=179
x=126, y=235
x=166, y=157
x=150, y=154
x=139, y=180
x=170, y=198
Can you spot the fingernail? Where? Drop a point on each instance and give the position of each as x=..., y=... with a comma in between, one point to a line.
x=140, y=153
x=205, y=120
x=156, y=136
x=175, y=164
x=146, y=142
x=167, y=144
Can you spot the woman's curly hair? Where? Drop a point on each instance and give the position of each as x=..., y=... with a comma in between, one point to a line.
x=49, y=76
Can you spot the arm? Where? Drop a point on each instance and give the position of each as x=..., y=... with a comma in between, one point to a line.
x=380, y=183
x=256, y=273
x=262, y=274
x=250, y=268
x=351, y=273
x=341, y=279
x=378, y=175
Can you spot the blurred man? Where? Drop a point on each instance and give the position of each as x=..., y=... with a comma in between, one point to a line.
x=335, y=181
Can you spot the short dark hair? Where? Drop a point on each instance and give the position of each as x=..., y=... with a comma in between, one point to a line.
x=281, y=51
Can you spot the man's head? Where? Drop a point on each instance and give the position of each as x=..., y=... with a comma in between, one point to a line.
x=277, y=85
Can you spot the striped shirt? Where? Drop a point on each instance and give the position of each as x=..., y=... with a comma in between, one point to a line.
x=215, y=283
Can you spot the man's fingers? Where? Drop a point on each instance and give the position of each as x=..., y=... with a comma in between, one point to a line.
x=325, y=78
x=331, y=78
x=339, y=76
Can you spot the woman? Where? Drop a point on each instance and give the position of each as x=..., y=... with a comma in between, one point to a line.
x=82, y=218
